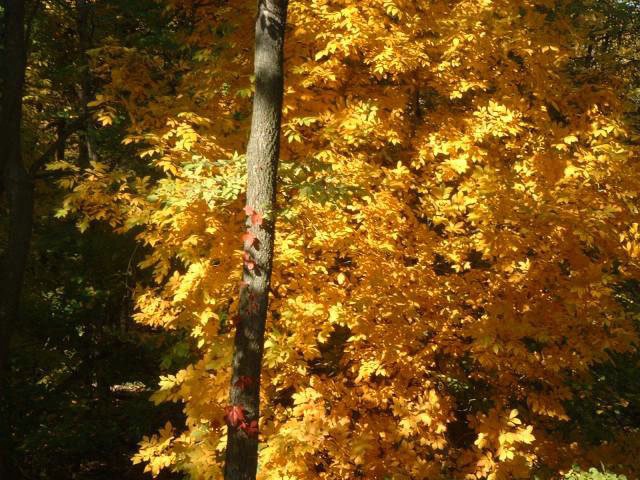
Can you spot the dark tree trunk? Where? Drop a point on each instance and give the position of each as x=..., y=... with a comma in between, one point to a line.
x=60, y=146
x=85, y=27
x=262, y=164
x=17, y=189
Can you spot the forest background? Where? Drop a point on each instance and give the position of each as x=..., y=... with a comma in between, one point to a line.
x=455, y=291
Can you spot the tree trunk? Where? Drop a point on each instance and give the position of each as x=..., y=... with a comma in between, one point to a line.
x=18, y=195
x=262, y=164
x=60, y=146
x=84, y=20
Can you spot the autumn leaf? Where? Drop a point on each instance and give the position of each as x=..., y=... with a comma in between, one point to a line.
x=248, y=238
x=248, y=210
x=234, y=415
x=251, y=429
x=244, y=381
x=256, y=218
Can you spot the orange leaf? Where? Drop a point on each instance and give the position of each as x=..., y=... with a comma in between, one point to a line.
x=256, y=219
x=248, y=210
x=248, y=237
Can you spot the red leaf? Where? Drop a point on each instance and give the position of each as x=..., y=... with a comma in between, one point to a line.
x=248, y=237
x=248, y=210
x=234, y=415
x=256, y=219
x=244, y=381
x=248, y=261
x=250, y=429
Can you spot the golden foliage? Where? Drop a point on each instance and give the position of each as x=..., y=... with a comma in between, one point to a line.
x=455, y=212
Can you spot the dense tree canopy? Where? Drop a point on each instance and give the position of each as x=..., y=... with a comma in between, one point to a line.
x=455, y=276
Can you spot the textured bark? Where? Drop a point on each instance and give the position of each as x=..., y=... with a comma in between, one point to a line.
x=17, y=204
x=262, y=164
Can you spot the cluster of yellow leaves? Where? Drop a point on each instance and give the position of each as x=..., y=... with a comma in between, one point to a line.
x=501, y=438
x=454, y=214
